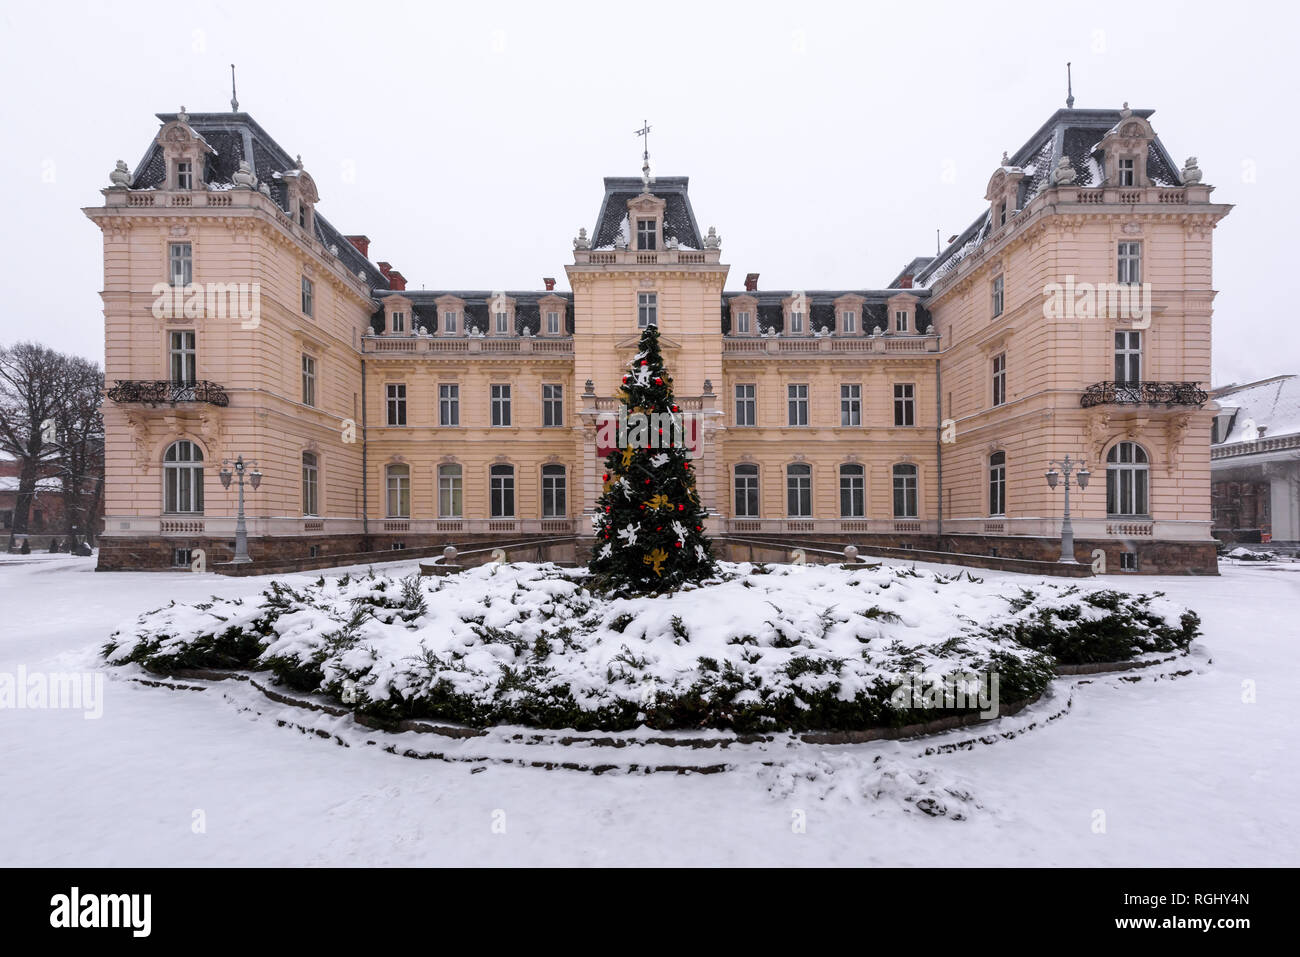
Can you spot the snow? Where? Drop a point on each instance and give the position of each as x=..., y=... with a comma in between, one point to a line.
x=1187, y=769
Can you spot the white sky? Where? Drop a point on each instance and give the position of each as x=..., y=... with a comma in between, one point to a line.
x=469, y=141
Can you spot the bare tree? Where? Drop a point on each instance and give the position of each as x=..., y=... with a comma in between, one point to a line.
x=31, y=383
x=80, y=437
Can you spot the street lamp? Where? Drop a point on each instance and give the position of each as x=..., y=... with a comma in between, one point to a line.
x=1081, y=476
x=254, y=479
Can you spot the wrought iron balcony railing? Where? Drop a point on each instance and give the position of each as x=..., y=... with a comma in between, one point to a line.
x=1144, y=393
x=166, y=392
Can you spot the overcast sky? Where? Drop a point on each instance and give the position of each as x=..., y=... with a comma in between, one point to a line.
x=469, y=140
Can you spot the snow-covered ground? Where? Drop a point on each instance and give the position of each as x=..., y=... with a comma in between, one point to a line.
x=1168, y=771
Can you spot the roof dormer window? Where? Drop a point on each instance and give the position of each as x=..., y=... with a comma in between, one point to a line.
x=1126, y=171
x=1002, y=213
x=399, y=322
x=796, y=322
x=646, y=233
x=184, y=174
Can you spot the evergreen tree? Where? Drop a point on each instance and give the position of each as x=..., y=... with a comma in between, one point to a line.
x=649, y=523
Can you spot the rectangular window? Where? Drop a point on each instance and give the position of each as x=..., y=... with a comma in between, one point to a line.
x=399, y=322
x=552, y=406
x=904, y=404
x=905, y=491
x=450, y=492
x=310, y=484
x=180, y=263
x=450, y=322
x=182, y=357
x=398, y=487
x=797, y=396
x=853, y=495
x=796, y=322
x=746, y=405
x=998, y=483
x=448, y=404
x=308, y=306
x=502, y=491
x=308, y=380
x=1128, y=356
x=181, y=557
x=848, y=322
x=501, y=405
x=645, y=234
x=647, y=309
x=850, y=405
x=554, y=498
x=798, y=491
x=502, y=323
x=396, y=403
x=1000, y=379
x=552, y=323
x=746, y=491
x=1126, y=177
x=184, y=174
x=1129, y=264
x=900, y=320
x=1128, y=561
x=997, y=297
x=1002, y=214
x=743, y=323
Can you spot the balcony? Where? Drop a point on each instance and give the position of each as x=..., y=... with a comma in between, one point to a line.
x=153, y=392
x=458, y=347
x=1168, y=394
x=812, y=347
x=646, y=257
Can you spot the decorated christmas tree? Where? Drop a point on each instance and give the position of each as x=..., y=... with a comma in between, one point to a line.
x=649, y=523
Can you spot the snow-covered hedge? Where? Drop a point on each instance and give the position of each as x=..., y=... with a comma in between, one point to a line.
x=758, y=648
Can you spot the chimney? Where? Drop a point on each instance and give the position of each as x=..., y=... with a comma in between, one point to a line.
x=395, y=279
x=905, y=282
x=362, y=243
x=751, y=282
x=549, y=282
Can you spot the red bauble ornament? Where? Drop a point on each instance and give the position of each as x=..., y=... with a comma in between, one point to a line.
x=679, y=544
x=606, y=476
x=606, y=509
x=698, y=528
x=659, y=381
x=643, y=362
x=647, y=481
x=659, y=529
x=681, y=507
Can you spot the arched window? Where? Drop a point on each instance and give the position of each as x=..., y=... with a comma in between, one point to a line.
x=310, y=484
x=554, y=492
x=1127, y=471
x=183, y=478
x=853, y=491
x=746, y=481
x=904, y=491
x=501, y=481
x=450, y=492
x=397, y=483
x=998, y=483
x=798, y=490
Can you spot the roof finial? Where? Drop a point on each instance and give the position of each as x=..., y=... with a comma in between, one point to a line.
x=1069, y=87
x=645, y=154
x=234, y=100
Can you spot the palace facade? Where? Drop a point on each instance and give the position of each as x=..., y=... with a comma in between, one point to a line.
x=1072, y=316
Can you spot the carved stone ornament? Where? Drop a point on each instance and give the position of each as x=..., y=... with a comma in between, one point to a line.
x=121, y=176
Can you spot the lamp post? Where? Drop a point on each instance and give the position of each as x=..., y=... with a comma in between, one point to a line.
x=254, y=479
x=1081, y=476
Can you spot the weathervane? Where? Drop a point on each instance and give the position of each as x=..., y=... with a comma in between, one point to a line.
x=645, y=154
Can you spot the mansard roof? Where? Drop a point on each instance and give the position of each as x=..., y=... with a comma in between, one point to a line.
x=1068, y=132
x=1269, y=408
x=235, y=137
x=821, y=307
x=478, y=307
x=679, y=217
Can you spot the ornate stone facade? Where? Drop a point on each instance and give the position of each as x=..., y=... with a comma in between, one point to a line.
x=922, y=411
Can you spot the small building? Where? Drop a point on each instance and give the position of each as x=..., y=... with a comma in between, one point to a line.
x=1255, y=461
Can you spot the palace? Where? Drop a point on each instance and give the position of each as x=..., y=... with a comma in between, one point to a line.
x=919, y=413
